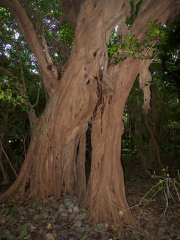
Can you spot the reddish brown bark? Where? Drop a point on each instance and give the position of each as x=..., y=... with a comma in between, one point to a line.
x=106, y=192
x=88, y=89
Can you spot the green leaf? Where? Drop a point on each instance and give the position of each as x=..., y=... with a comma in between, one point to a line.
x=161, y=181
x=154, y=21
x=147, y=171
x=27, y=237
x=131, y=36
x=157, y=31
x=163, y=33
x=126, y=40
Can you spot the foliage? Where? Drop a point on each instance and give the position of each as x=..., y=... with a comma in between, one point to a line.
x=134, y=12
x=146, y=49
x=170, y=54
x=48, y=20
x=20, y=78
x=155, y=127
x=161, y=124
x=9, y=93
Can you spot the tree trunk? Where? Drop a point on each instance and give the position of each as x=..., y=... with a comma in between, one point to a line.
x=88, y=89
x=106, y=190
x=5, y=176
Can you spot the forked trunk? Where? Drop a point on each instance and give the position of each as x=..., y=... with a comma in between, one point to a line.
x=88, y=90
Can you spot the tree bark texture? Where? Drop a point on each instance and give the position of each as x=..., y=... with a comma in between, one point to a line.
x=89, y=90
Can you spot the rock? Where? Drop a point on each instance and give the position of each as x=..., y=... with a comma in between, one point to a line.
x=87, y=227
x=14, y=210
x=39, y=206
x=80, y=216
x=5, y=210
x=80, y=229
x=161, y=230
x=78, y=235
x=61, y=205
x=42, y=215
x=49, y=236
x=119, y=235
x=67, y=200
x=63, y=214
x=2, y=220
x=72, y=215
x=33, y=227
x=95, y=228
x=163, y=236
x=65, y=234
x=23, y=233
x=84, y=237
x=26, y=225
x=78, y=224
x=2, y=235
x=12, y=221
x=34, y=205
x=52, y=198
x=21, y=209
x=56, y=215
x=10, y=236
x=74, y=199
x=71, y=206
x=18, y=229
x=54, y=234
x=68, y=203
x=60, y=222
x=62, y=210
x=100, y=226
x=76, y=209
x=31, y=210
x=52, y=209
x=5, y=231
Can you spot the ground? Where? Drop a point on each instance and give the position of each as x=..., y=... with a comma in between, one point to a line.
x=64, y=219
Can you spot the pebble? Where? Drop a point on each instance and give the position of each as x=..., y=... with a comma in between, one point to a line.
x=2, y=220
x=84, y=237
x=72, y=215
x=49, y=236
x=64, y=214
x=80, y=229
x=53, y=220
x=76, y=209
x=78, y=224
x=78, y=235
x=81, y=216
x=65, y=234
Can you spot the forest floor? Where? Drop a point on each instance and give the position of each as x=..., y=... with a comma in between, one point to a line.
x=157, y=212
x=154, y=201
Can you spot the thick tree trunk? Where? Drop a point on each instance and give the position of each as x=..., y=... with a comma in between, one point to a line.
x=88, y=89
x=106, y=190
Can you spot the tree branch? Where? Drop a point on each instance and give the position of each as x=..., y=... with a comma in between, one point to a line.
x=8, y=159
x=27, y=30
